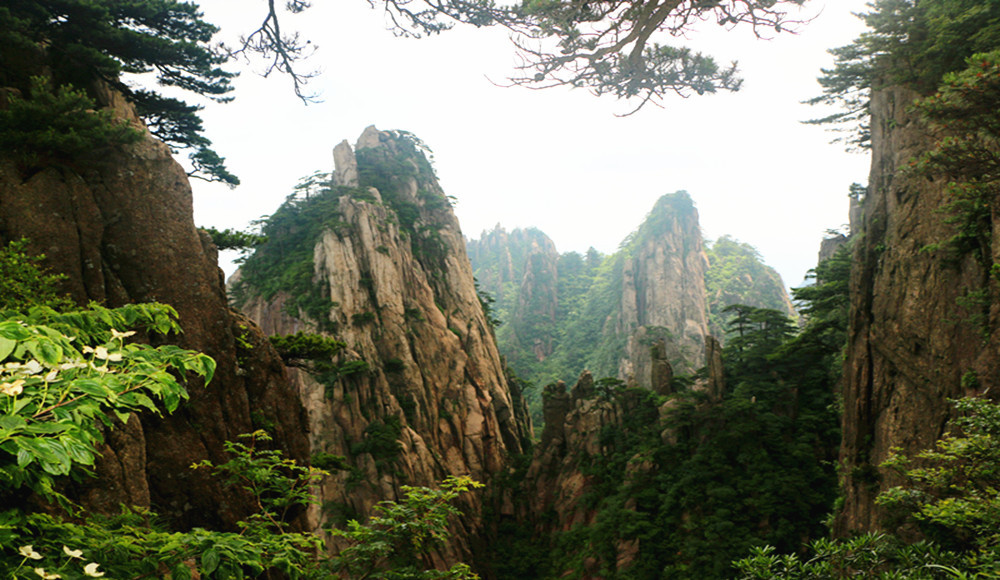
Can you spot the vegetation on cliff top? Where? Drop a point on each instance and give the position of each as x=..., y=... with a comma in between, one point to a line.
x=912, y=43
x=737, y=274
x=81, y=43
x=282, y=260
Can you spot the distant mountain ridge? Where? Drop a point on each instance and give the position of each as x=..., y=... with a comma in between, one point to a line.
x=564, y=313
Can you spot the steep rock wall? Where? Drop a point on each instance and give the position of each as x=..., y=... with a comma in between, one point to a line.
x=122, y=231
x=663, y=290
x=404, y=301
x=556, y=486
x=520, y=270
x=914, y=335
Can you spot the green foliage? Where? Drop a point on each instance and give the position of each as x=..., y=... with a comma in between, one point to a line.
x=953, y=490
x=82, y=42
x=395, y=543
x=565, y=319
x=353, y=367
x=400, y=163
x=67, y=377
x=736, y=274
x=963, y=115
x=873, y=555
x=230, y=239
x=59, y=125
x=950, y=492
x=381, y=440
x=486, y=302
x=362, y=318
x=698, y=482
x=303, y=346
x=278, y=484
x=912, y=43
x=394, y=365
x=396, y=540
x=64, y=375
x=24, y=281
x=284, y=262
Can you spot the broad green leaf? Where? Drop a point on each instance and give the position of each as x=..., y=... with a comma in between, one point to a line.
x=14, y=330
x=50, y=353
x=47, y=427
x=171, y=400
x=181, y=572
x=78, y=451
x=11, y=423
x=209, y=561
x=24, y=457
x=6, y=347
x=92, y=387
x=207, y=365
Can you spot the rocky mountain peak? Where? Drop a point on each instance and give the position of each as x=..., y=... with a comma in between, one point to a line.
x=419, y=391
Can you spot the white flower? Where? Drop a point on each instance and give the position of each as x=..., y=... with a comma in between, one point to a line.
x=115, y=356
x=73, y=553
x=32, y=367
x=91, y=570
x=101, y=353
x=53, y=375
x=45, y=575
x=73, y=364
x=29, y=552
x=14, y=389
x=116, y=334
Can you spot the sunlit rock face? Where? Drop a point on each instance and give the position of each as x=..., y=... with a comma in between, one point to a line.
x=433, y=399
x=915, y=339
x=663, y=291
x=602, y=313
x=121, y=230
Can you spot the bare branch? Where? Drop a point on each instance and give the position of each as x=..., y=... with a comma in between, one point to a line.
x=605, y=46
x=279, y=52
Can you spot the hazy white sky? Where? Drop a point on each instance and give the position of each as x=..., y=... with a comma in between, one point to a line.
x=559, y=160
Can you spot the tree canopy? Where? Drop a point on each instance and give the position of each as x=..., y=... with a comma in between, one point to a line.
x=618, y=47
x=606, y=46
x=909, y=42
x=129, y=45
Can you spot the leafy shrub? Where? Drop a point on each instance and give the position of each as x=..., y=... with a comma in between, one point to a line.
x=950, y=493
x=304, y=346
x=65, y=375
x=362, y=318
x=24, y=282
x=381, y=439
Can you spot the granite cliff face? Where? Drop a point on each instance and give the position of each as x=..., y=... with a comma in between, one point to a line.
x=737, y=275
x=918, y=334
x=431, y=398
x=520, y=271
x=122, y=231
x=567, y=313
x=663, y=290
x=557, y=488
